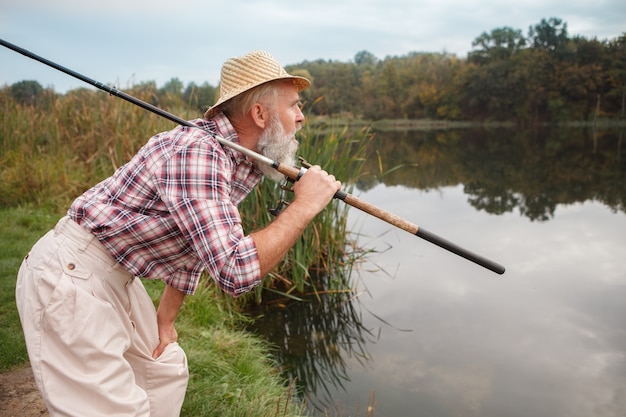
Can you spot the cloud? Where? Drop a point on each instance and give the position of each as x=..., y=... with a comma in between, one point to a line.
x=124, y=40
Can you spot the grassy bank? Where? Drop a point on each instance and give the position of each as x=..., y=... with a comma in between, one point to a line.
x=19, y=229
x=231, y=371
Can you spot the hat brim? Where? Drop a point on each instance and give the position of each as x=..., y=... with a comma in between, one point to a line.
x=300, y=83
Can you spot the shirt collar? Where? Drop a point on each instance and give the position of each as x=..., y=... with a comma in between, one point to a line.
x=225, y=129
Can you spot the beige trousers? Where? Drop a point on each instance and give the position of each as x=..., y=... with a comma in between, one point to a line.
x=90, y=330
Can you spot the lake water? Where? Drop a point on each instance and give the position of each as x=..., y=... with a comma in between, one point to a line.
x=432, y=334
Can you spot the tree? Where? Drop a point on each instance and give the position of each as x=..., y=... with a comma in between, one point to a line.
x=549, y=35
x=170, y=93
x=365, y=58
x=501, y=43
x=615, y=70
x=26, y=92
x=201, y=97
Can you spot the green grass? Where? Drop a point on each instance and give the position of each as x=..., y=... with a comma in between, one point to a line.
x=19, y=230
x=231, y=371
x=230, y=367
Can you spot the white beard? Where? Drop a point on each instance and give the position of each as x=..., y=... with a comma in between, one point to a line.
x=277, y=145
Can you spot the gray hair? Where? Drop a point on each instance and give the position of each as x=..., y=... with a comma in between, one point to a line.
x=241, y=104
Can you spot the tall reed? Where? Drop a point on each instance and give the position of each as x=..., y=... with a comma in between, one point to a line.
x=54, y=151
x=324, y=247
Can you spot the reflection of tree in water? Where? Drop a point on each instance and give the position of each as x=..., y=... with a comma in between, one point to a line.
x=506, y=169
x=314, y=338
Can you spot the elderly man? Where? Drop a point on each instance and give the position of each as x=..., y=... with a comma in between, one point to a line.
x=96, y=343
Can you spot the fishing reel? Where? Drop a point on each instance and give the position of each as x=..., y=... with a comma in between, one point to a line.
x=284, y=188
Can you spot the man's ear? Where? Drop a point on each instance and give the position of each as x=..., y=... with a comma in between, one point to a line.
x=259, y=115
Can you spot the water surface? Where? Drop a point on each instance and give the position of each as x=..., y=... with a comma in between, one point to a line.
x=432, y=334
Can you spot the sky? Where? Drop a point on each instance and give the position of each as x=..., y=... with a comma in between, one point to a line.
x=125, y=42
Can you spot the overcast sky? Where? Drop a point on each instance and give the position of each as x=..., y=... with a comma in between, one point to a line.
x=122, y=42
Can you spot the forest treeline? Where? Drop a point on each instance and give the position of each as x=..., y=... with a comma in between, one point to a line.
x=543, y=76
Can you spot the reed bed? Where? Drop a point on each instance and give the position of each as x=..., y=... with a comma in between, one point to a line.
x=56, y=149
x=325, y=247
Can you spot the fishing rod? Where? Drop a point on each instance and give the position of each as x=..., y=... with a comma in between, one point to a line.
x=292, y=173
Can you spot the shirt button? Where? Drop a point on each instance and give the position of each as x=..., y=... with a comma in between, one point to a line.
x=71, y=266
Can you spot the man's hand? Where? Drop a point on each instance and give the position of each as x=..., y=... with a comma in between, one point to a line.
x=312, y=192
x=315, y=190
x=171, y=300
x=167, y=335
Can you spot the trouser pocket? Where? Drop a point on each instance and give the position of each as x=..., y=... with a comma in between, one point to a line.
x=166, y=381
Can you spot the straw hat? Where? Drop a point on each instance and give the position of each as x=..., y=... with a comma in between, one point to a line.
x=240, y=74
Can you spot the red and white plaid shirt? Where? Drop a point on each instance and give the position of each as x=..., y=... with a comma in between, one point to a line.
x=172, y=211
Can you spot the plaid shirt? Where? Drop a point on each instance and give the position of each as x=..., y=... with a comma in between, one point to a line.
x=171, y=212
